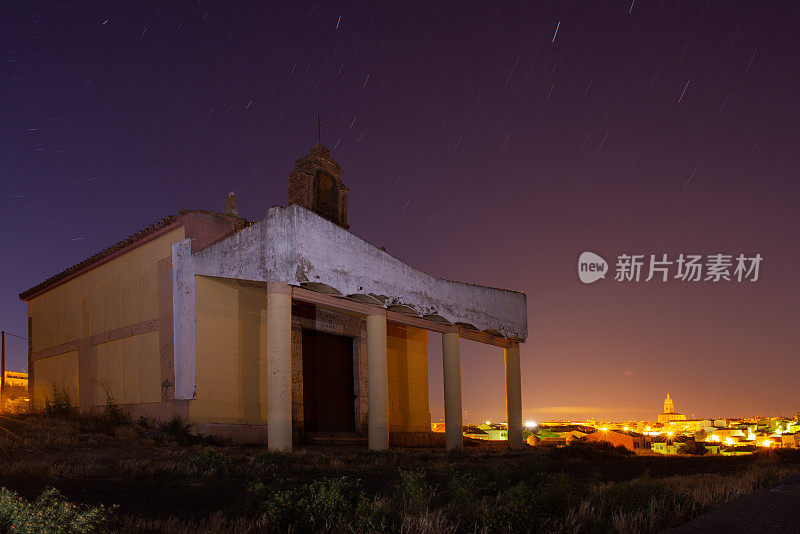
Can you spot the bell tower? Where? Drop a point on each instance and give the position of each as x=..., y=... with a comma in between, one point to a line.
x=316, y=184
x=669, y=406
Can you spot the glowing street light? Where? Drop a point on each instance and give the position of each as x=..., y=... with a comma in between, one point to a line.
x=530, y=424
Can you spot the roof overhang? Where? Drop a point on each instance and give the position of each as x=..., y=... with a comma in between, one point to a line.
x=298, y=247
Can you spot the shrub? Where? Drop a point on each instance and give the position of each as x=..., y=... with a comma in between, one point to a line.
x=413, y=492
x=50, y=513
x=107, y=422
x=268, y=459
x=524, y=505
x=330, y=504
x=209, y=463
x=60, y=406
x=319, y=505
x=591, y=451
x=176, y=430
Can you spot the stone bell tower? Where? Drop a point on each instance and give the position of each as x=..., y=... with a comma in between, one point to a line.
x=316, y=184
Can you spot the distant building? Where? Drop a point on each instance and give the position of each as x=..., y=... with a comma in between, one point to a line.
x=16, y=379
x=690, y=425
x=669, y=412
x=487, y=432
x=633, y=441
x=788, y=440
x=668, y=445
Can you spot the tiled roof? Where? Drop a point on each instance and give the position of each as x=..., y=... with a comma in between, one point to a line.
x=166, y=221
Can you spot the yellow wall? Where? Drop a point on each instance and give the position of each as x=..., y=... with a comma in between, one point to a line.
x=122, y=292
x=119, y=293
x=231, y=348
x=56, y=373
x=127, y=371
x=407, y=362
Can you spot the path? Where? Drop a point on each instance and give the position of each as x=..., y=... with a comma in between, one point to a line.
x=772, y=509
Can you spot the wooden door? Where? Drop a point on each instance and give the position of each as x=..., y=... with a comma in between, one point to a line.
x=328, y=393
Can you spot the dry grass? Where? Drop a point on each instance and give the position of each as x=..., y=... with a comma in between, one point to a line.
x=194, y=486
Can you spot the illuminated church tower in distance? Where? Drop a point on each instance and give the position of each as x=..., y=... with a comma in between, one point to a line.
x=669, y=406
x=669, y=412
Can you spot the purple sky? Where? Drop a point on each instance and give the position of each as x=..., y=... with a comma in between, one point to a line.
x=478, y=143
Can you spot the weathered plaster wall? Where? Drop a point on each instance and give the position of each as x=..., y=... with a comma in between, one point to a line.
x=116, y=300
x=55, y=374
x=407, y=369
x=127, y=370
x=231, y=347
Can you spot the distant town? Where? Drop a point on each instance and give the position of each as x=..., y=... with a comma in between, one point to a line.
x=669, y=432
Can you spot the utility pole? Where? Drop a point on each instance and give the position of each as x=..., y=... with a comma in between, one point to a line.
x=3, y=364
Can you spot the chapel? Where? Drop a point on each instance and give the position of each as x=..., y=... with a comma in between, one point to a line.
x=286, y=330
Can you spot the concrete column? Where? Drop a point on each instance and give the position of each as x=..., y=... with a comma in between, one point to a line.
x=377, y=383
x=451, y=369
x=279, y=371
x=513, y=397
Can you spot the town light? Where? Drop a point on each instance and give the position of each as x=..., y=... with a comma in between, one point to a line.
x=530, y=424
x=488, y=422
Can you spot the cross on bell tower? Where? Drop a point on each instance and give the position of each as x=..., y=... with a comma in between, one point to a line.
x=320, y=124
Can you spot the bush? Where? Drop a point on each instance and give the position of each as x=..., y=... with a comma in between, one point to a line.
x=209, y=463
x=108, y=422
x=176, y=430
x=525, y=505
x=591, y=451
x=50, y=513
x=60, y=406
x=330, y=504
x=413, y=492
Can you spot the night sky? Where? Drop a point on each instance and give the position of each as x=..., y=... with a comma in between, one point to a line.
x=485, y=142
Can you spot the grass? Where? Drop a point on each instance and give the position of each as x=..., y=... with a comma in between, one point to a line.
x=163, y=479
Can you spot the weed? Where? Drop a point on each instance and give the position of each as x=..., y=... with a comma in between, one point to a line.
x=175, y=430
x=60, y=406
x=318, y=506
x=50, y=513
x=209, y=463
x=413, y=492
